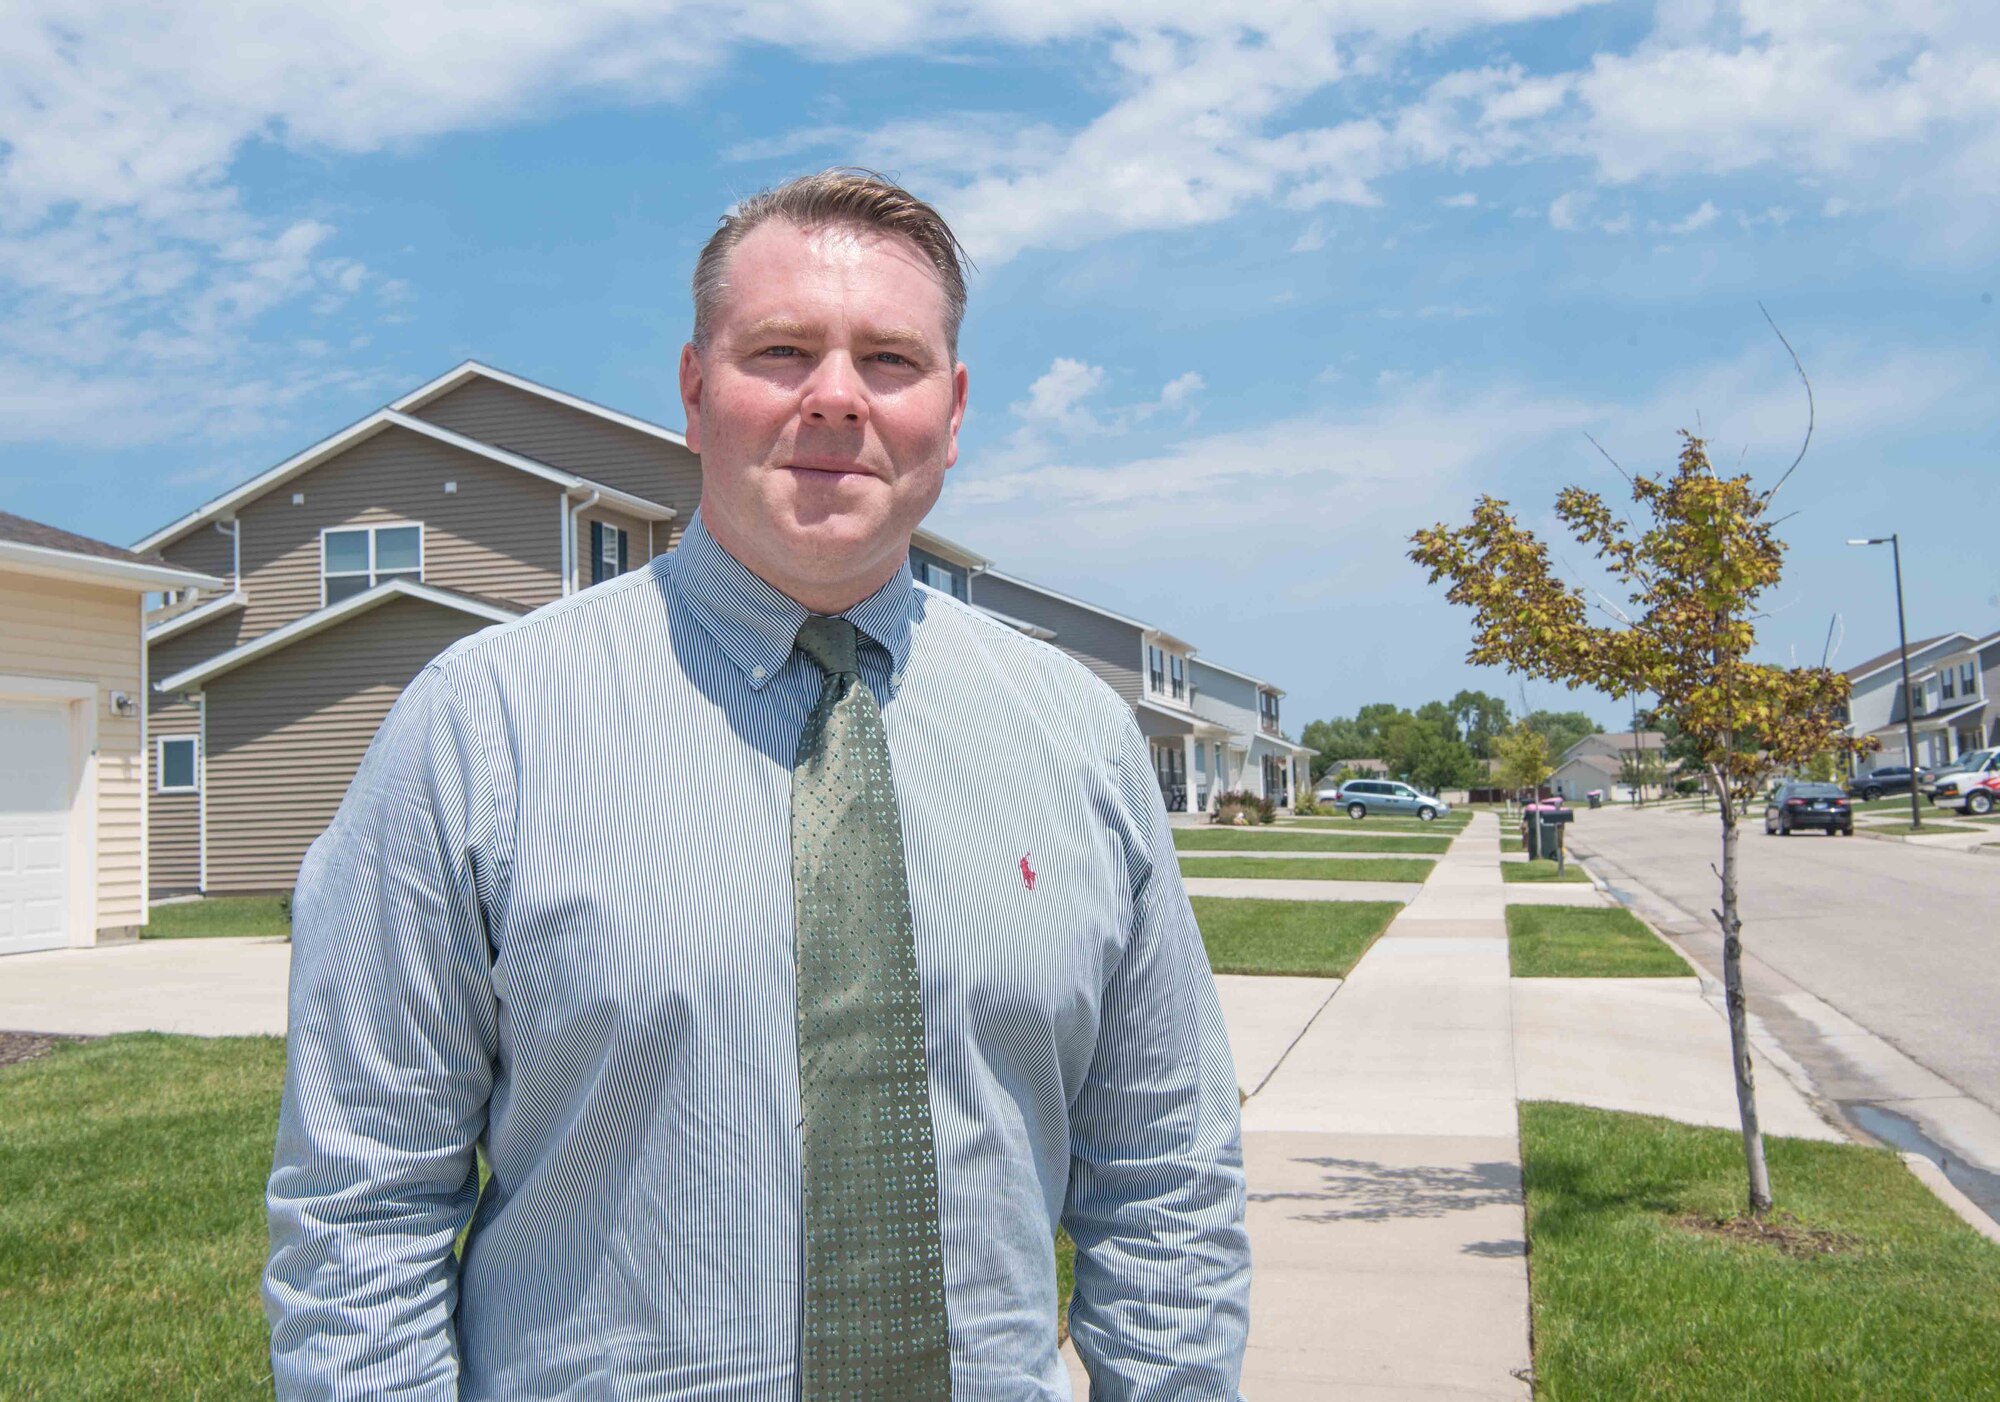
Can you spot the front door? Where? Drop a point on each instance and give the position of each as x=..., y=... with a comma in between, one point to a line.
x=37, y=793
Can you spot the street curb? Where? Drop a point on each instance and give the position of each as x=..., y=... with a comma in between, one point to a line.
x=1947, y=1192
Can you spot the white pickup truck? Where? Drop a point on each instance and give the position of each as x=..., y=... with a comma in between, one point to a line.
x=1962, y=783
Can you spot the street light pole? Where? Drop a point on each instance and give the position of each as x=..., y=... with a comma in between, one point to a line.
x=1903, y=650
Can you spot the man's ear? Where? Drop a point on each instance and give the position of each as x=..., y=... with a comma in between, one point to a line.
x=691, y=397
x=961, y=387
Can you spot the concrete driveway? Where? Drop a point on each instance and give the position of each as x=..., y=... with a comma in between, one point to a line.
x=209, y=987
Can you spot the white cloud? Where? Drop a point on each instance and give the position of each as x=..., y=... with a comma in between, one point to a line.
x=1463, y=200
x=1565, y=211
x=1311, y=239
x=1056, y=399
x=1700, y=217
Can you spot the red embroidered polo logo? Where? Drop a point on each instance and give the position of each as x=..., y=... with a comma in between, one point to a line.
x=1027, y=872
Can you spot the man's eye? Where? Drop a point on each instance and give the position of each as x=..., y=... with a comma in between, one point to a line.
x=785, y=351
x=893, y=358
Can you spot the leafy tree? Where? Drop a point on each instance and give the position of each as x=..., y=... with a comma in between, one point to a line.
x=1422, y=750
x=1641, y=770
x=1480, y=719
x=1561, y=728
x=1694, y=577
x=1523, y=753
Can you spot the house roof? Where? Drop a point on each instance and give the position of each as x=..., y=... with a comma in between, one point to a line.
x=1019, y=625
x=318, y=621
x=36, y=548
x=1196, y=725
x=1645, y=741
x=1259, y=682
x=1894, y=654
x=381, y=421
x=1159, y=634
x=195, y=617
x=472, y=369
x=1602, y=764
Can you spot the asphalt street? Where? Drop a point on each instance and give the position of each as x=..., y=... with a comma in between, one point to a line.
x=1903, y=940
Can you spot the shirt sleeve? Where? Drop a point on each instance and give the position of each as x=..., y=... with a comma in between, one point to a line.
x=1156, y=1196
x=388, y=1071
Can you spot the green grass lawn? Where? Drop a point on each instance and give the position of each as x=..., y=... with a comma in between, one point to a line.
x=1510, y=843
x=1309, y=868
x=1552, y=941
x=218, y=915
x=1308, y=939
x=1065, y=1281
x=132, y=1232
x=1895, y=1298
x=1272, y=840
x=1448, y=825
x=1541, y=871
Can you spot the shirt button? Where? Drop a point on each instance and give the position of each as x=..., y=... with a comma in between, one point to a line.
x=757, y=674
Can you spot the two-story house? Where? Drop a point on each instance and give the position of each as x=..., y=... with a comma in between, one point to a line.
x=1209, y=729
x=1951, y=677
x=352, y=564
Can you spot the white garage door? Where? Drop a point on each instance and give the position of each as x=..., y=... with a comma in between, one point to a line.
x=37, y=791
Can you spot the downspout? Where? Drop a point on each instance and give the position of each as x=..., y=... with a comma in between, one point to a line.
x=574, y=512
x=233, y=528
x=564, y=543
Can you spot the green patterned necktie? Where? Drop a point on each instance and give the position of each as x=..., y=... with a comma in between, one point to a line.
x=874, y=1325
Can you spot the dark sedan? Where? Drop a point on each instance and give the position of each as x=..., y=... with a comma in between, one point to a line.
x=1894, y=778
x=1796, y=804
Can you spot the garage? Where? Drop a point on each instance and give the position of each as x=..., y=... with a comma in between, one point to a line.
x=40, y=785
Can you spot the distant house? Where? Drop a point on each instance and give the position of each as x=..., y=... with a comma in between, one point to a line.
x=1952, y=678
x=1209, y=728
x=1576, y=777
x=73, y=734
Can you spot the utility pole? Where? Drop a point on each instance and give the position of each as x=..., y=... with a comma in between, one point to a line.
x=1903, y=650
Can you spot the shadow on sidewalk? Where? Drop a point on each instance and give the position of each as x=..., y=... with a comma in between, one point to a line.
x=1361, y=1190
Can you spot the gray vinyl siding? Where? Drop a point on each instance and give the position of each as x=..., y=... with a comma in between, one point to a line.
x=577, y=442
x=498, y=534
x=1225, y=699
x=1107, y=647
x=203, y=549
x=173, y=853
x=173, y=858
x=287, y=731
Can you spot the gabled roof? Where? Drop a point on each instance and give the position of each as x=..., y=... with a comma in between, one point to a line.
x=474, y=370
x=1160, y=634
x=195, y=617
x=1259, y=682
x=1603, y=764
x=493, y=611
x=35, y=548
x=379, y=422
x=1894, y=655
x=1019, y=625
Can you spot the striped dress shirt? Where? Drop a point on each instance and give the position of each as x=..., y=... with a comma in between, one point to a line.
x=553, y=920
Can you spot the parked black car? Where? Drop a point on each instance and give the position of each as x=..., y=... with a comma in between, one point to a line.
x=1894, y=778
x=1796, y=803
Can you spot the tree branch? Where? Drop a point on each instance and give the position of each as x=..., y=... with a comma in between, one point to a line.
x=1811, y=412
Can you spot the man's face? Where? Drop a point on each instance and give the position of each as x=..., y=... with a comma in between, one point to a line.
x=825, y=408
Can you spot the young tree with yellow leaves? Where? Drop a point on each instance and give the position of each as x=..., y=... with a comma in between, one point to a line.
x=1694, y=577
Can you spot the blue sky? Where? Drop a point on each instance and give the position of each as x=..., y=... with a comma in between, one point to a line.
x=1262, y=288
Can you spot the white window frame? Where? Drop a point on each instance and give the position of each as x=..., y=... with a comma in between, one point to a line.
x=423, y=551
x=160, y=784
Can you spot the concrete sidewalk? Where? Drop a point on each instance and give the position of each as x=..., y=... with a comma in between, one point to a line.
x=1287, y=889
x=1386, y=1216
x=207, y=987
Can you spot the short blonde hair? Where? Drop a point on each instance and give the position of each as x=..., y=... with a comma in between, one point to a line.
x=842, y=195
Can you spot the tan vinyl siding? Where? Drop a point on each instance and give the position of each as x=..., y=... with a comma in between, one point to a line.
x=183, y=650
x=287, y=731
x=204, y=549
x=1109, y=648
x=174, y=849
x=577, y=442
x=635, y=541
x=84, y=632
x=499, y=534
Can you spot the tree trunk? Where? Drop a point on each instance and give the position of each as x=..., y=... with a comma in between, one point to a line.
x=1739, y=1028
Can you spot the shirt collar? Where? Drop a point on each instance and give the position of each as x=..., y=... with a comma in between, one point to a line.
x=757, y=625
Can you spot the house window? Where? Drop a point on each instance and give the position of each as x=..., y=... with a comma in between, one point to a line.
x=608, y=547
x=174, y=767
x=940, y=575
x=1180, y=680
x=1949, y=685
x=356, y=559
x=1156, y=663
x=1968, y=680
x=1917, y=698
x=1267, y=702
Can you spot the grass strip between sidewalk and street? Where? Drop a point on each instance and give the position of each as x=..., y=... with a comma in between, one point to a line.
x=1554, y=941
x=1645, y=1282
x=1542, y=870
x=1264, y=839
x=1449, y=826
x=218, y=917
x=1309, y=868
x=1305, y=939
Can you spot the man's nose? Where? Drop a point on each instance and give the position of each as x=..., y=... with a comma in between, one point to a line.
x=835, y=395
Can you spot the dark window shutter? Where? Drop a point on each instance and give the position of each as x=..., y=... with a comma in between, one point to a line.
x=597, y=552
x=623, y=544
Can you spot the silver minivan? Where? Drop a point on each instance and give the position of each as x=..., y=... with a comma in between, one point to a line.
x=1360, y=797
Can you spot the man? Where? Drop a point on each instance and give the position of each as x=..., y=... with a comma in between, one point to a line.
x=800, y=945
